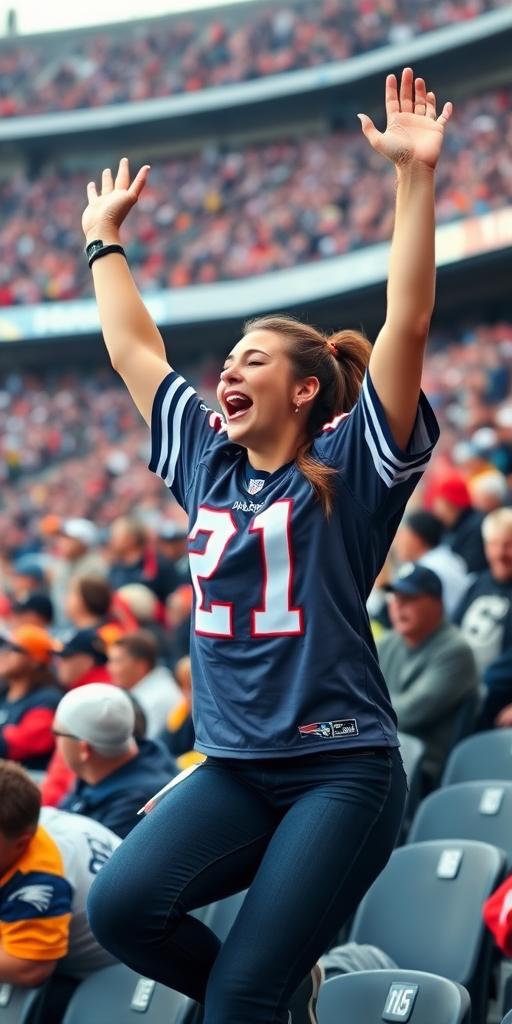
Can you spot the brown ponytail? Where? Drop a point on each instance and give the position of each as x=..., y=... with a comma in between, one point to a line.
x=339, y=363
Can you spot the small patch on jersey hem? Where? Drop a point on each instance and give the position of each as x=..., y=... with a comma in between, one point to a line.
x=330, y=730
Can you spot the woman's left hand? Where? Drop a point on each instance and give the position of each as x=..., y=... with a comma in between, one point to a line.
x=413, y=133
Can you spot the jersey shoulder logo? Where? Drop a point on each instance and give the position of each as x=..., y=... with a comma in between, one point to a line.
x=39, y=896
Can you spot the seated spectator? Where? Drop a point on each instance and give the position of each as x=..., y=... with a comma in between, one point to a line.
x=497, y=682
x=87, y=602
x=136, y=560
x=133, y=666
x=428, y=666
x=418, y=539
x=29, y=697
x=76, y=556
x=36, y=609
x=451, y=503
x=179, y=735
x=26, y=577
x=116, y=775
x=488, y=490
x=172, y=543
x=485, y=613
x=178, y=610
x=83, y=660
x=48, y=861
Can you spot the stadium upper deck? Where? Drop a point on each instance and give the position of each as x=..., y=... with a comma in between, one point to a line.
x=272, y=196
x=167, y=56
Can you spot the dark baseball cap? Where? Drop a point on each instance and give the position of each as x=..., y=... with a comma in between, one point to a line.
x=27, y=565
x=414, y=579
x=86, y=641
x=36, y=602
x=171, y=530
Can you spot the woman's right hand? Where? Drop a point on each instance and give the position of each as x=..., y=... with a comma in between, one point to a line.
x=105, y=213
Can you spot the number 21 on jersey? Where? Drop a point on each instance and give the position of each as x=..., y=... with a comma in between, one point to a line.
x=275, y=616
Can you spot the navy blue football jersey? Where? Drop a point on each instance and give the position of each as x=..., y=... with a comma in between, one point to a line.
x=283, y=658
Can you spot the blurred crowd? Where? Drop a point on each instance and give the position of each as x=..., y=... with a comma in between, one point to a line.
x=74, y=444
x=187, y=54
x=225, y=215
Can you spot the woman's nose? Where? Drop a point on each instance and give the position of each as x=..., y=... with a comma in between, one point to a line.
x=230, y=373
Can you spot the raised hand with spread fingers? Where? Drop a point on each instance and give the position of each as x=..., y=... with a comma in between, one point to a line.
x=413, y=130
x=413, y=141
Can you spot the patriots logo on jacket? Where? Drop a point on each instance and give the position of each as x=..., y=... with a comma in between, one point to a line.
x=40, y=896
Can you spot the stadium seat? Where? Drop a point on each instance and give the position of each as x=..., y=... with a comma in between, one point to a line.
x=425, y=911
x=508, y=1018
x=19, y=1005
x=487, y=755
x=117, y=995
x=370, y=997
x=220, y=916
x=468, y=810
x=413, y=751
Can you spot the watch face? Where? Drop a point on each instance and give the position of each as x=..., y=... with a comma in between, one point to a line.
x=94, y=247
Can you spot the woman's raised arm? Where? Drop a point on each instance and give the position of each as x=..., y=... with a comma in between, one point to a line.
x=412, y=141
x=133, y=341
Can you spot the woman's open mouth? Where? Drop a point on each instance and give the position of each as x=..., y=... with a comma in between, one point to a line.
x=237, y=404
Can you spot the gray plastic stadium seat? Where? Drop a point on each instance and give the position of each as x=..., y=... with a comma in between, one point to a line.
x=508, y=1018
x=425, y=911
x=468, y=810
x=370, y=997
x=413, y=751
x=487, y=755
x=19, y=1005
x=117, y=995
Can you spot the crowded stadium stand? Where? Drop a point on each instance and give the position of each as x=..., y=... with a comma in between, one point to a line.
x=263, y=196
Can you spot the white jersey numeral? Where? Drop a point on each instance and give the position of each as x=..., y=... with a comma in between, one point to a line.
x=221, y=528
x=276, y=616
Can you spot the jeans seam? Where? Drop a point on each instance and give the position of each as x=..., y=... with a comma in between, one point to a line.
x=356, y=854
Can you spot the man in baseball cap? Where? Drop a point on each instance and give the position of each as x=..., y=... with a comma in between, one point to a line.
x=116, y=775
x=28, y=703
x=428, y=666
x=451, y=503
x=82, y=660
x=76, y=555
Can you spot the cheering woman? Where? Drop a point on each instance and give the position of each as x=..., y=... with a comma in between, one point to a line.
x=293, y=496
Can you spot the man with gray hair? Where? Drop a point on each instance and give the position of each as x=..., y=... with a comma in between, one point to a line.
x=485, y=612
x=116, y=774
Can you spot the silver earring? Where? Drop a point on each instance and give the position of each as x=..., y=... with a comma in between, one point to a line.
x=297, y=407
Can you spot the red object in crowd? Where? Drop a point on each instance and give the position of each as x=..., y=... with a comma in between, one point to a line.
x=452, y=488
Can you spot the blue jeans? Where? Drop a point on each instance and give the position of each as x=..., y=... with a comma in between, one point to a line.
x=307, y=835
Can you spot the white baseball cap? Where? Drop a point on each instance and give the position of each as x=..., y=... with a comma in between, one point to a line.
x=82, y=530
x=101, y=714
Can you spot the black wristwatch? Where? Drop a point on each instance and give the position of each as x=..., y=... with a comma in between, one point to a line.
x=97, y=248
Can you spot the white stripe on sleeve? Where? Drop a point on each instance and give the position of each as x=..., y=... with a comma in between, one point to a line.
x=176, y=434
x=164, y=427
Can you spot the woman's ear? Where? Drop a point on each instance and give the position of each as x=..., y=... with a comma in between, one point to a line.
x=307, y=390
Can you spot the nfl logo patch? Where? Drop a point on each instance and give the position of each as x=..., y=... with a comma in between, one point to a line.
x=254, y=486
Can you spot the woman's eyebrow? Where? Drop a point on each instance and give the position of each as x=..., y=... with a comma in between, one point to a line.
x=248, y=352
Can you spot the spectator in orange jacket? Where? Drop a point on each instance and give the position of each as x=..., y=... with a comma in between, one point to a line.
x=29, y=697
